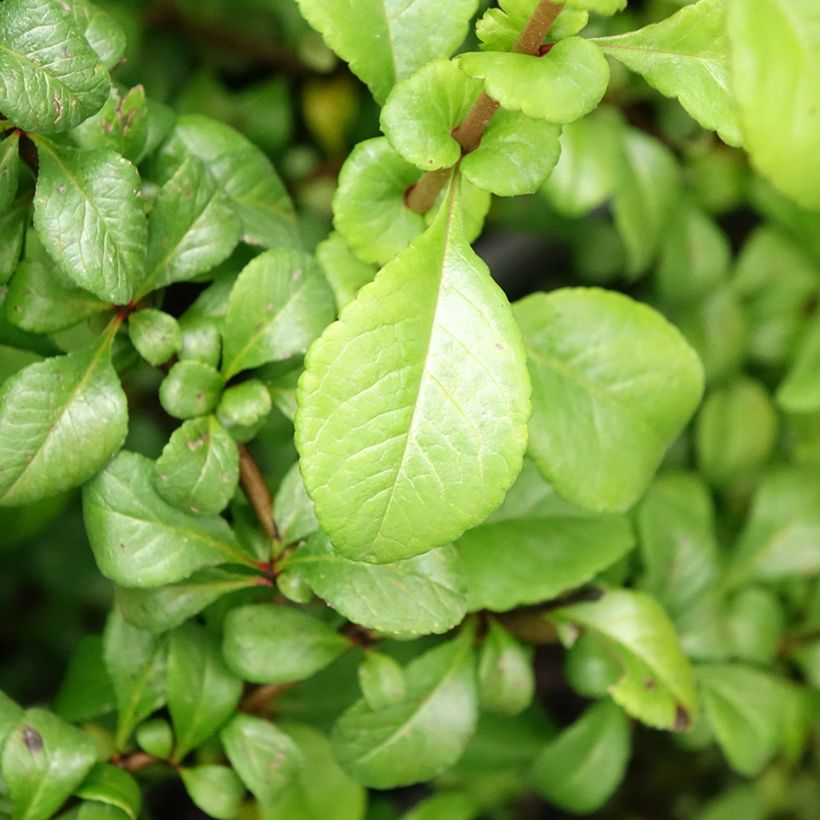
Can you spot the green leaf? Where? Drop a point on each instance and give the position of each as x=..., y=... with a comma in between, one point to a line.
x=52, y=80
x=112, y=786
x=13, y=223
x=781, y=538
x=320, y=790
x=560, y=87
x=297, y=305
x=645, y=197
x=139, y=540
x=500, y=28
x=605, y=7
x=161, y=608
x=201, y=341
x=9, y=168
x=557, y=545
x=155, y=737
x=445, y=806
x=779, y=100
x=216, y=790
x=198, y=470
x=743, y=707
x=39, y=301
x=86, y=690
x=506, y=681
x=422, y=735
x=202, y=692
x=10, y=714
x=279, y=644
x=191, y=229
x=136, y=662
x=581, y=769
x=736, y=432
x=657, y=685
x=243, y=409
x=686, y=57
x=295, y=515
x=101, y=30
x=89, y=217
x=404, y=450
x=60, y=421
x=800, y=390
x=590, y=667
x=399, y=39
x=264, y=757
x=604, y=413
x=418, y=596
x=421, y=112
x=756, y=623
x=381, y=680
x=155, y=335
x=345, y=272
x=121, y=125
x=43, y=760
x=242, y=173
x=190, y=389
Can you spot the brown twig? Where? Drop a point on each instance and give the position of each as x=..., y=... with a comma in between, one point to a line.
x=135, y=761
x=421, y=196
x=257, y=492
x=258, y=700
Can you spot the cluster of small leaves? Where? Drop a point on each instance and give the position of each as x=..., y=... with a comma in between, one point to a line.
x=463, y=479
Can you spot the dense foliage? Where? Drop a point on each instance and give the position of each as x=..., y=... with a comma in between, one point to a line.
x=305, y=514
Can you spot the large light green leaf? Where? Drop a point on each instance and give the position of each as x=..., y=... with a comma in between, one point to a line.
x=775, y=49
x=581, y=769
x=387, y=40
x=686, y=57
x=280, y=303
x=657, y=685
x=139, y=539
x=604, y=409
x=60, y=422
x=50, y=79
x=560, y=87
x=89, y=217
x=425, y=733
x=412, y=409
x=420, y=595
x=553, y=547
x=43, y=760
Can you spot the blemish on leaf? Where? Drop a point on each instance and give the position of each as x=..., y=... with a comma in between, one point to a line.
x=682, y=720
x=33, y=739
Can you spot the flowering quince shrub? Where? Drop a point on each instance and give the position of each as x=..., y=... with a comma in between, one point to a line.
x=359, y=521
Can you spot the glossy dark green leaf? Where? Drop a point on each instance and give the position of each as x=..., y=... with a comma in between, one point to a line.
x=216, y=790
x=279, y=644
x=112, y=786
x=60, y=422
x=506, y=681
x=52, y=79
x=139, y=539
x=419, y=737
x=85, y=690
x=202, y=692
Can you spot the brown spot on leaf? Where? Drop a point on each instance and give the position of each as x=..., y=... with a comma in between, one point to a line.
x=650, y=685
x=682, y=720
x=33, y=739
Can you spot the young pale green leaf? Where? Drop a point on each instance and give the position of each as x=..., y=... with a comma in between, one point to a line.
x=506, y=681
x=111, y=786
x=198, y=470
x=201, y=340
x=781, y=538
x=139, y=539
x=85, y=691
x=60, y=422
x=295, y=515
x=159, y=609
x=216, y=790
x=280, y=303
x=417, y=596
x=581, y=769
x=606, y=7
x=657, y=684
x=264, y=757
x=279, y=644
x=9, y=168
x=560, y=87
x=191, y=229
x=515, y=157
x=136, y=663
x=736, y=431
x=422, y=111
x=645, y=197
x=320, y=790
x=155, y=737
x=743, y=706
x=400, y=39
x=43, y=760
x=500, y=28
x=242, y=173
x=604, y=412
x=756, y=623
x=243, y=408
x=52, y=79
x=557, y=547
x=686, y=57
x=345, y=272
x=424, y=378
x=155, y=334
x=202, y=692
x=121, y=125
x=381, y=680
x=590, y=668
x=89, y=217
x=800, y=390
x=779, y=100
x=190, y=389
x=421, y=736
